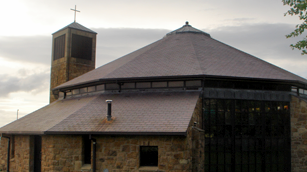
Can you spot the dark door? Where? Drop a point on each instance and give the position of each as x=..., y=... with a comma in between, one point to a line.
x=37, y=153
x=246, y=136
x=87, y=149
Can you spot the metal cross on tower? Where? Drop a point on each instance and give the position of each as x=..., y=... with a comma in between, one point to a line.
x=75, y=10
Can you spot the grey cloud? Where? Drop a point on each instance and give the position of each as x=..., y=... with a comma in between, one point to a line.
x=259, y=39
x=111, y=44
x=34, y=83
x=265, y=41
x=33, y=49
x=241, y=19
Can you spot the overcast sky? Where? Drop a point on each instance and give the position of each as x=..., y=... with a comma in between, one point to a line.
x=256, y=27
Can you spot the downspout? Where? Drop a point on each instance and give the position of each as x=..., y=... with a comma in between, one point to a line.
x=8, y=154
x=94, y=153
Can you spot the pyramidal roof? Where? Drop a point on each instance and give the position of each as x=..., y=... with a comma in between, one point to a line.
x=187, y=29
x=75, y=25
x=182, y=53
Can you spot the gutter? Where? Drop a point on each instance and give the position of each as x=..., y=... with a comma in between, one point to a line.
x=119, y=133
x=8, y=154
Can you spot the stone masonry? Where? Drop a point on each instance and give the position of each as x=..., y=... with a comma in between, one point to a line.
x=20, y=160
x=61, y=153
x=298, y=134
x=3, y=154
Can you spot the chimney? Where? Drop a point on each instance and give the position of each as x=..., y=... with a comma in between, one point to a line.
x=109, y=116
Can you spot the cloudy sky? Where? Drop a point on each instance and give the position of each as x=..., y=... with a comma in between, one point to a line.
x=256, y=27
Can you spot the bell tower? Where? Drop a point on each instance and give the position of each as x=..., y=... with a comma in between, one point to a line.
x=73, y=54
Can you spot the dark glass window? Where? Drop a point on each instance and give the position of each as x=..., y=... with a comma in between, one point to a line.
x=196, y=83
x=112, y=86
x=59, y=47
x=143, y=85
x=128, y=85
x=159, y=84
x=81, y=47
x=175, y=83
x=149, y=156
x=247, y=135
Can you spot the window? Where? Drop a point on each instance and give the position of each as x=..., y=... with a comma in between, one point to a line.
x=87, y=148
x=149, y=156
x=81, y=47
x=59, y=47
x=159, y=84
x=12, y=146
x=75, y=91
x=143, y=85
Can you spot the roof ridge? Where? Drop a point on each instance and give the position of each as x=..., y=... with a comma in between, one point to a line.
x=197, y=57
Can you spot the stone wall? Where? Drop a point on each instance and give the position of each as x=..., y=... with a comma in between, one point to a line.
x=122, y=153
x=198, y=139
x=298, y=134
x=19, y=158
x=58, y=75
x=3, y=154
x=61, y=153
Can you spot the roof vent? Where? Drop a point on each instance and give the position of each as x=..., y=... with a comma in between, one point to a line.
x=109, y=116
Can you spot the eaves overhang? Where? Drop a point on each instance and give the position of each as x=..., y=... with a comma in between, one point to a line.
x=183, y=77
x=117, y=133
x=94, y=133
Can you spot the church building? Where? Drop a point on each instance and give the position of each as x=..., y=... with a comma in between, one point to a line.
x=185, y=103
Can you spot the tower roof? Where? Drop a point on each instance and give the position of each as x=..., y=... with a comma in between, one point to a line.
x=182, y=53
x=75, y=25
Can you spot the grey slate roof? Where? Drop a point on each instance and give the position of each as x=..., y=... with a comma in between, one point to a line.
x=77, y=26
x=157, y=112
x=184, y=52
x=187, y=29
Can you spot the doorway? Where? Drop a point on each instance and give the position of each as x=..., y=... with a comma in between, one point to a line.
x=37, y=153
